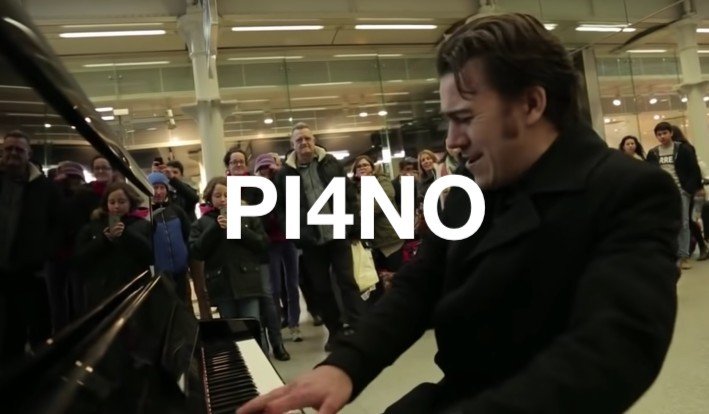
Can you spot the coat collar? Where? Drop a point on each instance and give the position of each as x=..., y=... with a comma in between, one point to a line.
x=292, y=160
x=565, y=167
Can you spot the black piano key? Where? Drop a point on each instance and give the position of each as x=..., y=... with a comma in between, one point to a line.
x=227, y=377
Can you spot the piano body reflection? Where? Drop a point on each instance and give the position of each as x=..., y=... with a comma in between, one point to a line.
x=140, y=350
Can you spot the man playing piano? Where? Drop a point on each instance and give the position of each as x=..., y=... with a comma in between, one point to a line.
x=564, y=300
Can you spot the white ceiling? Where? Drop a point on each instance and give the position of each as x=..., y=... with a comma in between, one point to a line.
x=411, y=92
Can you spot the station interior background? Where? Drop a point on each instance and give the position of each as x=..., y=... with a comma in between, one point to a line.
x=362, y=91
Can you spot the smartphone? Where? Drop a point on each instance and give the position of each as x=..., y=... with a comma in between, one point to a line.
x=222, y=211
x=113, y=219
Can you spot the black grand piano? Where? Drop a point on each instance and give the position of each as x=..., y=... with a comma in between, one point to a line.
x=141, y=350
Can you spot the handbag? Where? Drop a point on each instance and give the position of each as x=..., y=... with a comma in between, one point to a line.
x=363, y=267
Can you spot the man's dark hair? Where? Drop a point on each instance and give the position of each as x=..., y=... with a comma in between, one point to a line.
x=517, y=52
x=663, y=126
x=178, y=165
x=17, y=134
x=227, y=156
x=408, y=161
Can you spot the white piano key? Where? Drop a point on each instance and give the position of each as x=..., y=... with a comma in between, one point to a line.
x=264, y=375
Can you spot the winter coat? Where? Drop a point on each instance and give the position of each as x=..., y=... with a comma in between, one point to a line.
x=106, y=265
x=232, y=267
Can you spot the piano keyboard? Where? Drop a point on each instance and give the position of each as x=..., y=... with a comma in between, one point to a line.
x=234, y=373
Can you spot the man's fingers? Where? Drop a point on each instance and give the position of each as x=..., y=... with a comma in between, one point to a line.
x=289, y=401
x=329, y=407
x=258, y=404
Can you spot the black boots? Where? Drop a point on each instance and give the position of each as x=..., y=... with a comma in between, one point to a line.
x=280, y=353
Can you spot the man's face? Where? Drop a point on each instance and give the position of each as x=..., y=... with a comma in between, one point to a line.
x=303, y=142
x=664, y=136
x=16, y=153
x=489, y=130
x=173, y=172
x=160, y=193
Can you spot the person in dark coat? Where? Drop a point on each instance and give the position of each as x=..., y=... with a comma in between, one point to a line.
x=29, y=234
x=115, y=246
x=232, y=267
x=567, y=291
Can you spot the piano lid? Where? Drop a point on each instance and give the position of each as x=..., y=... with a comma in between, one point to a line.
x=24, y=48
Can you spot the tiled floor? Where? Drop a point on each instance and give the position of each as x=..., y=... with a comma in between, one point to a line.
x=682, y=387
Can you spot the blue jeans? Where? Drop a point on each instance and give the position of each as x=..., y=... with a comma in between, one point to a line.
x=242, y=308
x=284, y=266
x=271, y=321
x=684, y=233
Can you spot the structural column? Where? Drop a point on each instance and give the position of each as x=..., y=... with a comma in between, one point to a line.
x=593, y=90
x=692, y=86
x=208, y=111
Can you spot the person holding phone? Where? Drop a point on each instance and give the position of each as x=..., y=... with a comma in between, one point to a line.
x=115, y=246
x=232, y=267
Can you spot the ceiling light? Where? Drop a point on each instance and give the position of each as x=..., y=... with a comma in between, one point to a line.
x=22, y=102
x=108, y=118
x=382, y=113
x=706, y=99
x=340, y=155
x=703, y=30
x=613, y=28
x=151, y=129
x=108, y=65
x=121, y=112
x=656, y=117
x=73, y=127
x=32, y=115
x=237, y=59
x=268, y=120
x=684, y=99
x=396, y=26
x=314, y=98
x=348, y=55
x=290, y=119
x=104, y=109
x=363, y=114
x=646, y=50
x=606, y=120
x=275, y=28
x=47, y=125
x=77, y=35
x=550, y=26
x=320, y=108
x=88, y=26
x=703, y=51
x=326, y=84
x=617, y=102
x=653, y=101
x=391, y=94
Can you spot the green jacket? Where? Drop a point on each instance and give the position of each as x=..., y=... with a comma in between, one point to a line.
x=384, y=233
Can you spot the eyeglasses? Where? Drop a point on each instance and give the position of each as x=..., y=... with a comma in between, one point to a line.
x=363, y=165
x=237, y=162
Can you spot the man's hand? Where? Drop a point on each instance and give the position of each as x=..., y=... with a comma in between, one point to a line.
x=326, y=388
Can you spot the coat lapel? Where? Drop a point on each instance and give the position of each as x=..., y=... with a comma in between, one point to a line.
x=563, y=168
